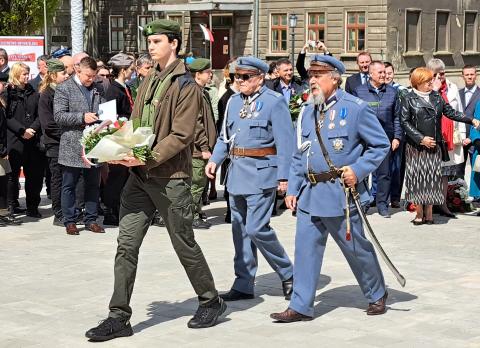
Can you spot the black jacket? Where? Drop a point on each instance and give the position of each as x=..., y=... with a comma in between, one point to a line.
x=222, y=106
x=22, y=113
x=117, y=91
x=3, y=132
x=352, y=82
x=297, y=85
x=50, y=129
x=420, y=118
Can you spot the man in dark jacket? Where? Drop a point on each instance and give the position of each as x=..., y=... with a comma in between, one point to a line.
x=469, y=96
x=286, y=84
x=383, y=99
x=363, y=61
x=162, y=184
x=42, y=71
x=4, y=62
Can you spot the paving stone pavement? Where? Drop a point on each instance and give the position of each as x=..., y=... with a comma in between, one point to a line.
x=54, y=287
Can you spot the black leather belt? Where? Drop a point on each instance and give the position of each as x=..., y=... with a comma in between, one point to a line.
x=315, y=178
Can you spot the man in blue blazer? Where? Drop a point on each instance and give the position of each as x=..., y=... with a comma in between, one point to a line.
x=257, y=135
x=363, y=61
x=469, y=97
x=383, y=99
x=356, y=143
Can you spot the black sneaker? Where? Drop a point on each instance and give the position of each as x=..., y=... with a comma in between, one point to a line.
x=110, y=328
x=58, y=221
x=200, y=224
x=34, y=213
x=207, y=315
x=10, y=220
x=110, y=220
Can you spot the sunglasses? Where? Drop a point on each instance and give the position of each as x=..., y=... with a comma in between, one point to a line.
x=244, y=77
x=439, y=74
x=104, y=75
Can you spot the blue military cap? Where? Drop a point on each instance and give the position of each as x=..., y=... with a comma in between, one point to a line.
x=61, y=52
x=252, y=63
x=324, y=62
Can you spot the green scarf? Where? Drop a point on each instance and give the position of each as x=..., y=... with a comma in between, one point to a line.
x=155, y=93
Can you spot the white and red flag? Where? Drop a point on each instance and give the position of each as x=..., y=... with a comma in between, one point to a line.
x=207, y=34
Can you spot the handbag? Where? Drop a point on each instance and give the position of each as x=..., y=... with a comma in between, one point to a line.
x=444, y=150
x=476, y=165
x=457, y=137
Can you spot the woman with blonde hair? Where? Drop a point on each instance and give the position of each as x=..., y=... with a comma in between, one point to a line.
x=421, y=114
x=23, y=137
x=51, y=132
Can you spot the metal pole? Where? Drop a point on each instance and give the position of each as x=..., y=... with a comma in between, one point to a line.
x=45, y=31
x=293, y=47
x=211, y=30
x=76, y=11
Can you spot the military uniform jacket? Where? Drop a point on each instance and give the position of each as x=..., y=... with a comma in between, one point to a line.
x=353, y=137
x=268, y=124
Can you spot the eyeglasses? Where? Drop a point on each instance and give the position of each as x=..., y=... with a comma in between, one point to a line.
x=244, y=77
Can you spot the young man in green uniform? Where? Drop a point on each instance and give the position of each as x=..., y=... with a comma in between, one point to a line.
x=169, y=101
x=205, y=138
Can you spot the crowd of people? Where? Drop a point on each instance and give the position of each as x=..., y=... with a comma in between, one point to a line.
x=373, y=137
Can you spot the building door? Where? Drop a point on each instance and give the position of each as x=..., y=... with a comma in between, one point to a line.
x=220, y=48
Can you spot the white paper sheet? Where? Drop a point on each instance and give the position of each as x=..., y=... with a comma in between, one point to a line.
x=108, y=111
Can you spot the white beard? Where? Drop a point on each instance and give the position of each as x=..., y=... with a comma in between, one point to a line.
x=316, y=99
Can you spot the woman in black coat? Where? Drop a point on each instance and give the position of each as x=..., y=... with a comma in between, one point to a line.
x=122, y=69
x=23, y=137
x=52, y=132
x=422, y=110
x=6, y=218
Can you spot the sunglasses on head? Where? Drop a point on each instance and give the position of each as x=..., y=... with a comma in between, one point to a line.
x=245, y=77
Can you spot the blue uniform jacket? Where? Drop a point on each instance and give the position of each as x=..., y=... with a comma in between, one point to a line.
x=386, y=105
x=270, y=125
x=360, y=143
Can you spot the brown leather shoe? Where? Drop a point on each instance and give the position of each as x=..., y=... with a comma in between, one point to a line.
x=94, y=227
x=378, y=307
x=72, y=229
x=289, y=316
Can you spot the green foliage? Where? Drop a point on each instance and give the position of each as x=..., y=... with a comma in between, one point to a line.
x=24, y=17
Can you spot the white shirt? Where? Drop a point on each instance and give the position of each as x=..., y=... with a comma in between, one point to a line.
x=469, y=94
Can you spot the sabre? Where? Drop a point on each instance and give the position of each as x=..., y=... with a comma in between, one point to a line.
x=356, y=198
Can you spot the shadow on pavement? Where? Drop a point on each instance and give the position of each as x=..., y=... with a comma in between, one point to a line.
x=350, y=296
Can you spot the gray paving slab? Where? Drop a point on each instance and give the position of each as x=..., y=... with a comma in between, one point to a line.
x=54, y=287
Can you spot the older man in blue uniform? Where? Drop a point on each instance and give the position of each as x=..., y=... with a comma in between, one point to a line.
x=354, y=142
x=257, y=135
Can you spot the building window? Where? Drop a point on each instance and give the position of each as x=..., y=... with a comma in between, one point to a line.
x=116, y=33
x=278, y=32
x=316, y=27
x=470, y=32
x=412, y=31
x=442, y=31
x=177, y=18
x=356, y=31
x=142, y=41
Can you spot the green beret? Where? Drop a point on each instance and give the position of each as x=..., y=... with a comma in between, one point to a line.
x=161, y=26
x=199, y=64
x=55, y=65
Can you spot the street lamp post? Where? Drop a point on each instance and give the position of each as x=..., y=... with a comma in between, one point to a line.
x=293, y=25
x=45, y=30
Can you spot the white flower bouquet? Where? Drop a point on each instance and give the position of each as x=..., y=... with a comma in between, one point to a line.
x=110, y=141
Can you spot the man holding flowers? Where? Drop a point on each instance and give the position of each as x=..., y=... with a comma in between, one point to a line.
x=169, y=101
